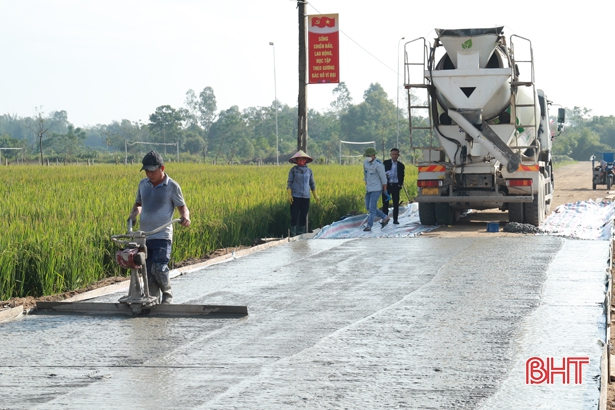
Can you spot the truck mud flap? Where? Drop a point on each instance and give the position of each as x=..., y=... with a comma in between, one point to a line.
x=179, y=310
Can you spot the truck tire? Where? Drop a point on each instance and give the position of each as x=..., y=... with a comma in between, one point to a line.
x=535, y=211
x=427, y=213
x=444, y=214
x=515, y=213
x=609, y=182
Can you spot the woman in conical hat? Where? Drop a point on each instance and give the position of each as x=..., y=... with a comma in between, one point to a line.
x=300, y=154
x=300, y=183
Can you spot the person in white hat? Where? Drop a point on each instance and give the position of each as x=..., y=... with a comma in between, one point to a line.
x=300, y=183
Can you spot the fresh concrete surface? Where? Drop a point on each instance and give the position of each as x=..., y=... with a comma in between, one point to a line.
x=419, y=323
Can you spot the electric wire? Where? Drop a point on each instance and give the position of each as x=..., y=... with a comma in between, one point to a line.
x=358, y=45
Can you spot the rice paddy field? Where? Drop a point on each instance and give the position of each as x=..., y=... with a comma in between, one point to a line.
x=56, y=221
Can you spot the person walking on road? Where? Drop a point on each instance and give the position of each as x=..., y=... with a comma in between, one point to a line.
x=157, y=197
x=375, y=183
x=394, y=171
x=300, y=183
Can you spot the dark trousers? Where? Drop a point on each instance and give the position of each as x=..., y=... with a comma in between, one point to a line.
x=298, y=211
x=393, y=190
x=158, y=251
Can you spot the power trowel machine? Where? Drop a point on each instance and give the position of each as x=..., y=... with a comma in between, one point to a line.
x=132, y=256
x=140, y=301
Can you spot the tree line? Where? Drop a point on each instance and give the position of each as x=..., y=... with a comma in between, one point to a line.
x=585, y=135
x=206, y=134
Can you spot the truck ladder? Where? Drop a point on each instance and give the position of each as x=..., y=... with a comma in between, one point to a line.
x=524, y=81
x=412, y=69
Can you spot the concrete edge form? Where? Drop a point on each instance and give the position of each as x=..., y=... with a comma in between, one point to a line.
x=100, y=291
x=11, y=313
x=607, y=361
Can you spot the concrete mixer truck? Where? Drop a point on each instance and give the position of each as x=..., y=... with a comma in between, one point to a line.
x=483, y=139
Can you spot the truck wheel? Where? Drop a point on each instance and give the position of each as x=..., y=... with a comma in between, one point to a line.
x=535, y=211
x=427, y=213
x=515, y=213
x=593, y=185
x=609, y=182
x=444, y=214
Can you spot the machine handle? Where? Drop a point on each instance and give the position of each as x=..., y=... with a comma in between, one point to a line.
x=140, y=234
x=160, y=228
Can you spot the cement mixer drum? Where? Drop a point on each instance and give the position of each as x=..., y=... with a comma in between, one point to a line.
x=460, y=78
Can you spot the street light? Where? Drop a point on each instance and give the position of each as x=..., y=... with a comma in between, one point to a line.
x=275, y=91
x=398, y=90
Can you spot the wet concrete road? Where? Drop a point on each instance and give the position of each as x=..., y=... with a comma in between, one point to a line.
x=419, y=323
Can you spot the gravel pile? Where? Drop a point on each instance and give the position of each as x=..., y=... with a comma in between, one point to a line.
x=516, y=227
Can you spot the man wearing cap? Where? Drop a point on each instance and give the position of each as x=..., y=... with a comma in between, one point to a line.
x=375, y=183
x=300, y=183
x=157, y=197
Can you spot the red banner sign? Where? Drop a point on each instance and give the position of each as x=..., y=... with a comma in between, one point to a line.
x=323, y=49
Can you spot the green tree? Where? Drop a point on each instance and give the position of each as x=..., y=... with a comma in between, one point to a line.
x=565, y=144
x=585, y=135
x=70, y=144
x=605, y=127
x=14, y=126
x=229, y=136
x=165, y=126
x=343, y=100
x=587, y=143
x=195, y=143
x=117, y=133
x=373, y=119
x=202, y=109
x=39, y=125
x=261, y=124
x=324, y=134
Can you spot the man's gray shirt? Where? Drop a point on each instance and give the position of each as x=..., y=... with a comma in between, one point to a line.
x=158, y=204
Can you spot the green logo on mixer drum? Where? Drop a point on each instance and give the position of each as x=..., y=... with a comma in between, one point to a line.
x=467, y=44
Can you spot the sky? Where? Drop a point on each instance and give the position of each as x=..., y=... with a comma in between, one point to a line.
x=108, y=60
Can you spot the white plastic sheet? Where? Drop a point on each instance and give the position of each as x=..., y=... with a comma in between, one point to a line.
x=589, y=220
x=352, y=227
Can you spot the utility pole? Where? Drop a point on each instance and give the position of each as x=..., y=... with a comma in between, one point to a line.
x=275, y=91
x=397, y=146
x=302, y=125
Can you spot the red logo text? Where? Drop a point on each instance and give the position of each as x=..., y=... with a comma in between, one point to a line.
x=550, y=370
